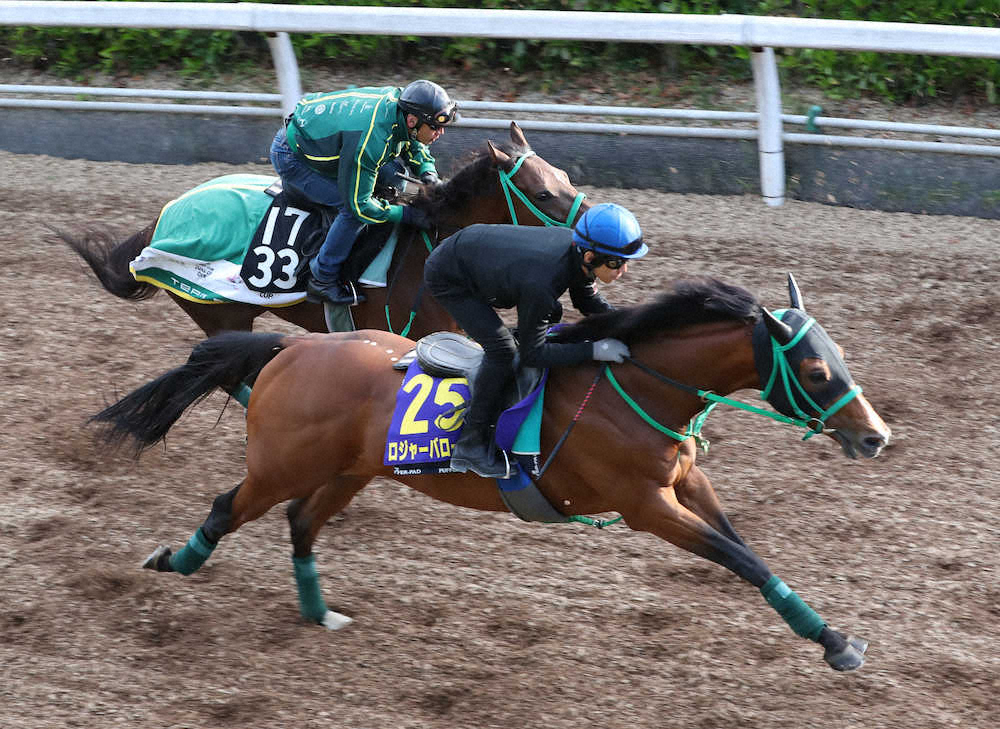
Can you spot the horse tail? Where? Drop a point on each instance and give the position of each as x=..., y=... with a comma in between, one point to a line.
x=109, y=259
x=225, y=360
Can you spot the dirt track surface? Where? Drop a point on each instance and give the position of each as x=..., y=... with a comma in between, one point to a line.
x=478, y=620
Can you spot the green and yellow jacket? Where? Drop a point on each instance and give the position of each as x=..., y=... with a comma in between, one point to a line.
x=348, y=135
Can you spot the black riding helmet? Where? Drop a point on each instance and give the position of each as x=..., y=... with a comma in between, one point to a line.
x=429, y=103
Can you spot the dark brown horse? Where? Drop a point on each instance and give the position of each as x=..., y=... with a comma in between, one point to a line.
x=502, y=184
x=321, y=404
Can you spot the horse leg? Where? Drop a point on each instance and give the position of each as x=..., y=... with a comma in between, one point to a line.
x=201, y=544
x=695, y=493
x=703, y=529
x=230, y=511
x=305, y=518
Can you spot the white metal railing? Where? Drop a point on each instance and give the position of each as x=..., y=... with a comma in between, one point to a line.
x=761, y=34
x=727, y=30
x=506, y=107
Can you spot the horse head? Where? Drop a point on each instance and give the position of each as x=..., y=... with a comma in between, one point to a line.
x=804, y=377
x=543, y=192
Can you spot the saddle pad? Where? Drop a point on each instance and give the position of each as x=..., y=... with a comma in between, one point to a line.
x=519, y=427
x=428, y=418
x=202, y=237
x=376, y=273
x=425, y=423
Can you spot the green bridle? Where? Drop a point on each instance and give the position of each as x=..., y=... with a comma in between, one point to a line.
x=780, y=367
x=508, y=186
x=793, y=388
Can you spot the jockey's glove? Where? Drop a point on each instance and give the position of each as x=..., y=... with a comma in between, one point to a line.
x=416, y=217
x=430, y=178
x=611, y=350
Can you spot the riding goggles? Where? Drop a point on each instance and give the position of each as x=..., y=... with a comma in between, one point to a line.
x=441, y=118
x=614, y=263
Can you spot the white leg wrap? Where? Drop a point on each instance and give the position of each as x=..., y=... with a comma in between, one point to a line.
x=335, y=621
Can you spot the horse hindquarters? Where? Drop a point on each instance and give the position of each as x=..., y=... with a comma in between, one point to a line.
x=320, y=414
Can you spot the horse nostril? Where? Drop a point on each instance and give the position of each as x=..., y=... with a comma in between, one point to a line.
x=874, y=443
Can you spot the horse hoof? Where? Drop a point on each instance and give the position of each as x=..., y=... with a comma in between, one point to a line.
x=859, y=643
x=335, y=621
x=159, y=555
x=848, y=658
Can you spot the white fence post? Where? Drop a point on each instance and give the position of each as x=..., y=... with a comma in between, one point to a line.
x=287, y=70
x=769, y=145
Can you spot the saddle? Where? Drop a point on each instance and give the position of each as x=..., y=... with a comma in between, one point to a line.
x=449, y=354
x=370, y=241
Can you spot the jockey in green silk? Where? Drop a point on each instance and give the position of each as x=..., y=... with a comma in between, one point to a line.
x=329, y=152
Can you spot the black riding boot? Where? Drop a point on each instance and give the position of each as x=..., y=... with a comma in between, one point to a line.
x=475, y=452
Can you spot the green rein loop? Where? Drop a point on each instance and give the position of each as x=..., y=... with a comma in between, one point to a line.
x=508, y=186
x=413, y=311
x=693, y=429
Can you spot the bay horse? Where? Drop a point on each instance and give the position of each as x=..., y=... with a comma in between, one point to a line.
x=317, y=421
x=502, y=184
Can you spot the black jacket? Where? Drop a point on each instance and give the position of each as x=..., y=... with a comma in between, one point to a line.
x=529, y=268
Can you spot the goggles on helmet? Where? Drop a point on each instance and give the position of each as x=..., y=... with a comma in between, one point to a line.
x=441, y=118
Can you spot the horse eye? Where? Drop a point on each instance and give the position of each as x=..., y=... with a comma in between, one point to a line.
x=544, y=195
x=818, y=377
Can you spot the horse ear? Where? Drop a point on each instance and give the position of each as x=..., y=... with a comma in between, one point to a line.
x=777, y=328
x=794, y=295
x=500, y=158
x=517, y=136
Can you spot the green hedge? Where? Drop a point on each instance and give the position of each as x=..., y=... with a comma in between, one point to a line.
x=892, y=77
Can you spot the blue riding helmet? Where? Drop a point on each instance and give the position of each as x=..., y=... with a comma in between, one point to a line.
x=610, y=230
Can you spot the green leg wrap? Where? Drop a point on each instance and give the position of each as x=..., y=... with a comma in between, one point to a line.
x=800, y=617
x=311, y=604
x=242, y=395
x=192, y=555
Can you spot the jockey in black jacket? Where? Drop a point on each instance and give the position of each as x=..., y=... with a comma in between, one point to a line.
x=486, y=267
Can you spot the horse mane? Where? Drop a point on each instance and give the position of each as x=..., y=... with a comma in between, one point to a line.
x=476, y=178
x=701, y=300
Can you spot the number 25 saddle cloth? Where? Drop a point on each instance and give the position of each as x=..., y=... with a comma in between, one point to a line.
x=431, y=404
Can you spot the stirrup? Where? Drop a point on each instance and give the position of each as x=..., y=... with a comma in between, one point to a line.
x=340, y=292
x=502, y=468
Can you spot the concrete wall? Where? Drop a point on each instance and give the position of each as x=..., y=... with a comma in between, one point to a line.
x=938, y=184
